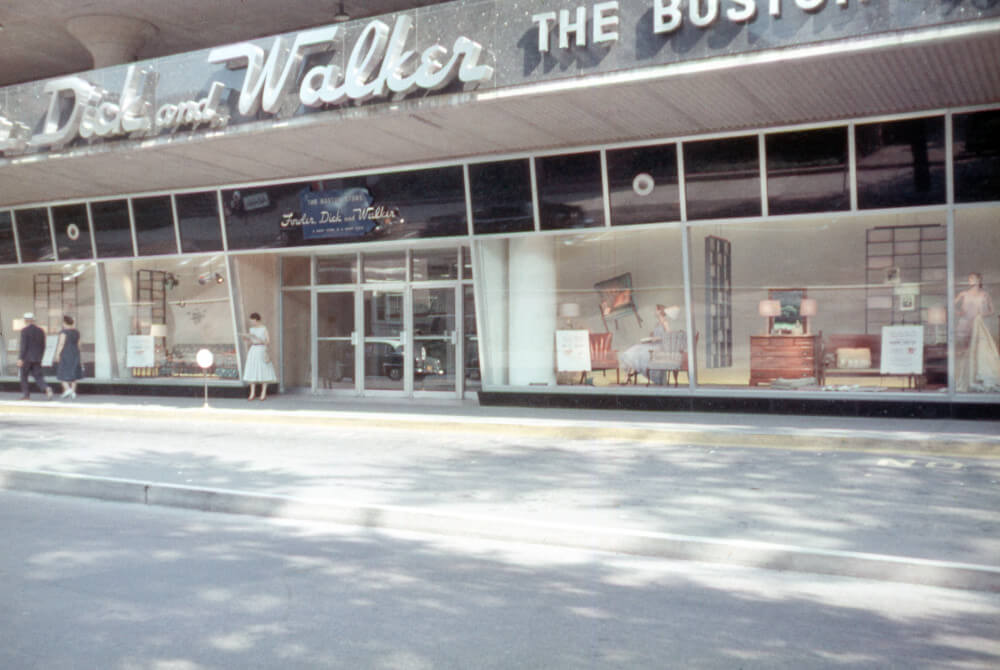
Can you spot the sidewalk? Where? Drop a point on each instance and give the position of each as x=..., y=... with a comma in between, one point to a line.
x=904, y=500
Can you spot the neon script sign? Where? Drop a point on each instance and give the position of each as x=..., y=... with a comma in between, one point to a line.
x=380, y=64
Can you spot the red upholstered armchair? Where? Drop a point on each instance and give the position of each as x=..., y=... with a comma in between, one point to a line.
x=602, y=356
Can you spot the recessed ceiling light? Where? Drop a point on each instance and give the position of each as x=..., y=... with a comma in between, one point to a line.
x=341, y=14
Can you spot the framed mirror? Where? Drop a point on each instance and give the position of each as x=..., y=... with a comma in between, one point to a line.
x=791, y=320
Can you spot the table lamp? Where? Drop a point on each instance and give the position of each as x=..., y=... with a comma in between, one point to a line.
x=769, y=309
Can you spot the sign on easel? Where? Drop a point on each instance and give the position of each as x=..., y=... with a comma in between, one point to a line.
x=140, y=351
x=49, y=357
x=902, y=350
x=573, y=350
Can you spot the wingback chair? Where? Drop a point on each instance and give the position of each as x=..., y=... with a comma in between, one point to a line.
x=602, y=356
x=670, y=356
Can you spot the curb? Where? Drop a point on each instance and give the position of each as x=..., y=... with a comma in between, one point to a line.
x=903, y=442
x=746, y=553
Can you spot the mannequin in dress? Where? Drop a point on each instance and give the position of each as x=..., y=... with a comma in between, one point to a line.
x=972, y=302
x=258, y=368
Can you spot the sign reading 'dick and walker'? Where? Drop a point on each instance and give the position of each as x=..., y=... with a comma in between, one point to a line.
x=380, y=64
x=517, y=43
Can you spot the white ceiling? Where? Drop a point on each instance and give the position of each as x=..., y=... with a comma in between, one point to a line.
x=810, y=86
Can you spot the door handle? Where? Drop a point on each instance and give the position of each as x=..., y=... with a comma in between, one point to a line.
x=354, y=338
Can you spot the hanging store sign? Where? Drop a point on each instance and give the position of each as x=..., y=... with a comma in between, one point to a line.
x=339, y=213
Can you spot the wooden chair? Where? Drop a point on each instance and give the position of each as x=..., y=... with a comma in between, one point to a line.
x=602, y=356
x=617, y=300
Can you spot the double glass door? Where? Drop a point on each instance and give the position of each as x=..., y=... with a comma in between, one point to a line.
x=391, y=338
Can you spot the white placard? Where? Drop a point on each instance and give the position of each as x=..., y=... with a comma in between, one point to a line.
x=48, y=358
x=573, y=350
x=902, y=350
x=140, y=351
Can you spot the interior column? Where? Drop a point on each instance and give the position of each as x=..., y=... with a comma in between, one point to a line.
x=532, y=323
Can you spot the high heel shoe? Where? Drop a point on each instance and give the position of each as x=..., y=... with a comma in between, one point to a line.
x=66, y=394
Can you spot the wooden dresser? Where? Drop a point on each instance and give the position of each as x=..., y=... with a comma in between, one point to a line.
x=785, y=356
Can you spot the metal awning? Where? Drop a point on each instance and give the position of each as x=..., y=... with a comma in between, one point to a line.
x=924, y=72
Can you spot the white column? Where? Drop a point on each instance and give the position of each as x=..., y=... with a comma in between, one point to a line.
x=491, y=282
x=111, y=40
x=532, y=326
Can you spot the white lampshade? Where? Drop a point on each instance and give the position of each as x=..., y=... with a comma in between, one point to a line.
x=18, y=324
x=569, y=310
x=158, y=330
x=672, y=312
x=808, y=307
x=937, y=316
x=769, y=308
x=205, y=358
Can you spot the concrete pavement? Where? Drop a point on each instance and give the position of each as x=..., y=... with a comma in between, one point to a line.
x=813, y=494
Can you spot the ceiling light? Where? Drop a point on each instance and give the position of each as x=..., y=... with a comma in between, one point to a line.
x=341, y=14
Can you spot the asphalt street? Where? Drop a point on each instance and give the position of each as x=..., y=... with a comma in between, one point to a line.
x=567, y=482
x=89, y=584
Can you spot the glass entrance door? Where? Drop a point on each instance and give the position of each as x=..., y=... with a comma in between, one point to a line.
x=434, y=339
x=389, y=323
x=386, y=320
x=335, y=337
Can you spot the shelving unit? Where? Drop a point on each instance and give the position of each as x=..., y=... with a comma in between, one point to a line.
x=151, y=299
x=718, y=303
x=898, y=258
x=55, y=295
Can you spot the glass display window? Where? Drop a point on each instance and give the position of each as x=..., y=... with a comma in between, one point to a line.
x=722, y=178
x=977, y=156
x=51, y=293
x=817, y=318
x=900, y=163
x=199, y=222
x=974, y=310
x=72, y=231
x=33, y=235
x=501, y=197
x=163, y=311
x=154, y=226
x=808, y=171
x=570, y=194
x=643, y=185
x=112, y=228
x=8, y=251
x=585, y=310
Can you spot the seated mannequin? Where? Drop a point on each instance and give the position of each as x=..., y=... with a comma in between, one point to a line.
x=637, y=357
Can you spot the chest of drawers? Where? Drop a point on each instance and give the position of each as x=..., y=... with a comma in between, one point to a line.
x=784, y=356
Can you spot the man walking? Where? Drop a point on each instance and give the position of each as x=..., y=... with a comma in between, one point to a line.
x=30, y=359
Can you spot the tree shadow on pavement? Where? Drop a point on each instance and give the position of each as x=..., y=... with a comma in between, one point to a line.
x=121, y=587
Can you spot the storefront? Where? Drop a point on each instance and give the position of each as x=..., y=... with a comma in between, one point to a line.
x=706, y=222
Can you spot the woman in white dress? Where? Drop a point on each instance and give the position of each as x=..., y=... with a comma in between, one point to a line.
x=258, y=369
